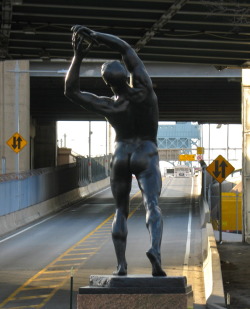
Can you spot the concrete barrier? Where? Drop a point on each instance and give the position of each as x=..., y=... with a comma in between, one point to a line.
x=17, y=219
x=205, y=214
x=214, y=290
x=213, y=283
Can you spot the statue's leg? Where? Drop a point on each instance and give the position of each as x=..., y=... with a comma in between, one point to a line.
x=121, y=186
x=150, y=185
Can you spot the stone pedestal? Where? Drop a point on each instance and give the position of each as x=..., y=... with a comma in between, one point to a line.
x=135, y=292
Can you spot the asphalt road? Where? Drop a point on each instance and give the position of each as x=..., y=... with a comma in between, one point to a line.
x=37, y=263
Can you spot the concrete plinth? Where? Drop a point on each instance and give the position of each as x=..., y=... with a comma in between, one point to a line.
x=135, y=292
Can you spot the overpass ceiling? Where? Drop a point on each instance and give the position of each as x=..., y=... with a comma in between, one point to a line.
x=214, y=100
x=214, y=33
x=182, y=31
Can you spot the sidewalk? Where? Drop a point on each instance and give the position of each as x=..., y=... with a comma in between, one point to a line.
x=235, y=266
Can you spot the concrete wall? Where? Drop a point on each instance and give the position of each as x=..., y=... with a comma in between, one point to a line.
x=64, y=156
x=246, y=152
x=14, y=114
x=17, y=219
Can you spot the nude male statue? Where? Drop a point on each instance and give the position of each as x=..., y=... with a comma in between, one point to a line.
x=133, y=113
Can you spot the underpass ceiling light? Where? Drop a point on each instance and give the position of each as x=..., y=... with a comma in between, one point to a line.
x=246, y=64
x=44, y=55
x=17, y=2
x=220, y=67
x=29, y=30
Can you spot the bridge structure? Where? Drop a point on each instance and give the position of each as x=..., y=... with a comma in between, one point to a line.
x=176, y=139
x=190, y=49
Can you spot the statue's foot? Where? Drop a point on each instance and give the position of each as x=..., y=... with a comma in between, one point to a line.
x=157, y=271
x=121, y=271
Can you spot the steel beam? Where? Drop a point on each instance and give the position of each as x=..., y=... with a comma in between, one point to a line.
x=5, y=27
x=163, y=20
x=91, y=68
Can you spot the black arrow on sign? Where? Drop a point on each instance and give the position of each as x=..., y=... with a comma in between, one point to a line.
x=17, y=142
x=223, y=166
x=216, y=172
x=14, y=145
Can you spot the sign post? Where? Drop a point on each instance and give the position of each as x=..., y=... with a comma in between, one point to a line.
x=219, y=169
x=220, y=214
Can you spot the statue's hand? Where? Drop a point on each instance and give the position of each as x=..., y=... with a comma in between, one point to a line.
x=87, y=35
x=80, y=36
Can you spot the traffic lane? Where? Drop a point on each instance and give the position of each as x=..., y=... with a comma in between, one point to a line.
x=104, y=260
x=87, y=214
x=175, y=219
x=138, y=242
x=177, y=188
x=181, y=199
x=27, y=253
x=49, y=239
x=175, y=203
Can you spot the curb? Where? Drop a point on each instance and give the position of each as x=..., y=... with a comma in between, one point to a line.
x=214, y=290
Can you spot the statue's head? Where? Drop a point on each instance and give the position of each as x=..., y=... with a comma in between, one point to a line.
x=114, y=73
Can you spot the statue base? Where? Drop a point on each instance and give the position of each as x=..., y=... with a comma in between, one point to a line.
x=135, y=292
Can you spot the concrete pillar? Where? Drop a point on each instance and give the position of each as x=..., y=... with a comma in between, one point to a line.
x=45, y=147
x=246, y=152
x=14, y=115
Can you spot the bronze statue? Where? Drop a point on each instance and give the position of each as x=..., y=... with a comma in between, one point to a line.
x=133, y=113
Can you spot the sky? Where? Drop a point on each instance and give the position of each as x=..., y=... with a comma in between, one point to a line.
x=75, y=135
x=225, y=140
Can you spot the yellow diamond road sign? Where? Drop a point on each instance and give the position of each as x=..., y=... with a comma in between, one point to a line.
x=220, y=168
x=16, y=142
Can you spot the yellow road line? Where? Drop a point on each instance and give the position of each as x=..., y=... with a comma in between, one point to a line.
x=24, y=307
x=31, y=297
x=73, y=254
x=49, y=278
x=52, y=264
x=64, y=265
x=98, y=236
x=39, y=287
x=85, y=250
x=56, y=271
x=63, y=257
x=74, y=259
